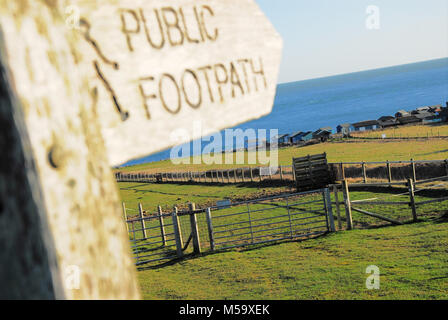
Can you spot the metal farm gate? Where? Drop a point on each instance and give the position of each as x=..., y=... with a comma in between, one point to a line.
x=162, y=237
x=294, y=216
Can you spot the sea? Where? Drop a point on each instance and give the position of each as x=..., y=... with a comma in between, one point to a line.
x=327, y=102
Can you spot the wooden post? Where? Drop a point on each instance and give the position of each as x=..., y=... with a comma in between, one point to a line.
x=125, y=216
x=142, y=217
x=389, y=172
x=234, y=175
x=162, y=225
x=446, y=167
x=250, y=223
x=194, y=229
x=210, y=229
x=348, y=208
x=342, y=171
x=328, y=209
x=259, y=174
x=242, y=174
x=281, y=173
x=414, y=175
x=412, y=199
x=338, y=209
x=251, y=175
x=177, y=234
x=364, y=172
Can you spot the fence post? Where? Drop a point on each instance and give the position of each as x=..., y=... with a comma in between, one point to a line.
x=348, y=208
x=389, y=172
x=259, y=174
x=242, y=174
x=177, y=234
x=342, y=171
x=140, y=211
x=210, y=229
x=281, y=173
x=162, y=225
x=412, y=197
x=251, y=175
x=364, y=172
x=194, y=229
x=250, y=223
x=125, y=216
x=289, y=217
x=329, y=209
x=338, y=209
x=414, y=175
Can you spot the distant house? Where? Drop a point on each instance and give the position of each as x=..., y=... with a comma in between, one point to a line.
x=435, y=109
x=282, y=139
x=307, y=136
x=296, y=137
x=443, y=114
x=402, y=113
x=344, y=128
x=366, y=125
x=327, y=129
x=409, y=119
x=387, y=121
x=322, y=134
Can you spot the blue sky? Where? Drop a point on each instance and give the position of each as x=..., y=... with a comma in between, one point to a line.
x=328, y=37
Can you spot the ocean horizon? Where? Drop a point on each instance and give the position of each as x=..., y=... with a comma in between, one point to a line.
x=307, y=105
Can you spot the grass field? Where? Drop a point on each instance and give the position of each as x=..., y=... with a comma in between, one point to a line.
x=412, y=260
x=337, y=151
x=433, y=130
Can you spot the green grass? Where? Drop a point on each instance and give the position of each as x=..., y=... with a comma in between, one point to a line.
x=420, y=130
x=168, y=195
x=342, y=151
x=412, y=261
x=412, y=258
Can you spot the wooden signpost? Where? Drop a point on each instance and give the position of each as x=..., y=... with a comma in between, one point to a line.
x=75, y=101
x=162, y=66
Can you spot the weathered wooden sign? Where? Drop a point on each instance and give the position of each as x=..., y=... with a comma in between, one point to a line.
x=127, y=75
x=159, y=66
x=61, y=233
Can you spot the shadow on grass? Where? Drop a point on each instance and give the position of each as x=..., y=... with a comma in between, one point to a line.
x=192, y=256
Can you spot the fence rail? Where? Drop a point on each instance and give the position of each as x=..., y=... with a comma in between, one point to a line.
x=227, y=176
x=369, y=173
x=167, y=236
x=410, y=185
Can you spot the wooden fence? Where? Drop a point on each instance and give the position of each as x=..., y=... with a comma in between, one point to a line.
x=166, y=236
x=235, y=175
x=389, y=171
x=361, y=172
x=354, y=205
